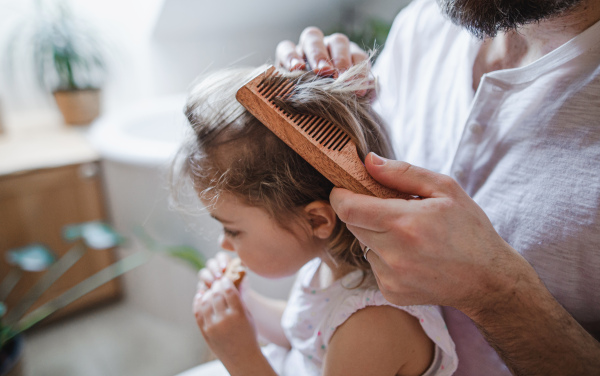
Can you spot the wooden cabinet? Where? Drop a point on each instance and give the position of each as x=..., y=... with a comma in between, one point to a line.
x=34, y=207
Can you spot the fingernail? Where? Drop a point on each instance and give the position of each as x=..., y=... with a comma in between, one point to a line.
x=377, y=160
x=297, y=64
x=323, y=68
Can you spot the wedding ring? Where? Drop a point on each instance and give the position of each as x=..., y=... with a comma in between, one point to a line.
x=367, y=249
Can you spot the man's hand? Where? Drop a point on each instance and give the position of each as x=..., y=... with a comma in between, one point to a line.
x=441, y=249
x=325, y=55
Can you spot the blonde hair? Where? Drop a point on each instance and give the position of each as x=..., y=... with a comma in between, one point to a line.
x=231, y=151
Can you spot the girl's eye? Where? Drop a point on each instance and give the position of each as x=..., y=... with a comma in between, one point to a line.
x=230, y=233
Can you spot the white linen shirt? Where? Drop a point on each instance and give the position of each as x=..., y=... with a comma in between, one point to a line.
x=525, y=147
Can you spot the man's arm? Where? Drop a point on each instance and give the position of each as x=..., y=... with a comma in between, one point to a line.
x=534, y=334
x=442, y=249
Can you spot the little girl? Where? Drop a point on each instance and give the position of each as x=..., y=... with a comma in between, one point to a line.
x=275, y=212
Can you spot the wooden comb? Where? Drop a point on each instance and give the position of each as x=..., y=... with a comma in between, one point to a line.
x=320, y=142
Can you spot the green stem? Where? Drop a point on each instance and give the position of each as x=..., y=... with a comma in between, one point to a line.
x=91, y=283
x=52, y=274
x=9, y=282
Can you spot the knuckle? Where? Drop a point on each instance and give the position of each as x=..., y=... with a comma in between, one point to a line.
x=339, y=38
x=284, y=49
x=402, y=167
x=447, y=182
x=311, y=32
x=344, y=212
x=341, y=61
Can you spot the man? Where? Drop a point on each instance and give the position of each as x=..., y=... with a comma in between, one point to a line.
x=505, y=131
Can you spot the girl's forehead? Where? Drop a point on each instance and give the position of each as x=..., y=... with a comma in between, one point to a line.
x=227, y=207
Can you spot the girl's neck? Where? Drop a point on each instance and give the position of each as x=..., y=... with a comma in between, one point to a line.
x=331, y=271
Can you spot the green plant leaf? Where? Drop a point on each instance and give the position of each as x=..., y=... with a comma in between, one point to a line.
x=187, y=254
x=91, y=283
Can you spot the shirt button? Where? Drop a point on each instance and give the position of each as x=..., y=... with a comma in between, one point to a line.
x=476, y=128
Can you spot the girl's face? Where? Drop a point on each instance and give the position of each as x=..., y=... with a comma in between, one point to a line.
x=263, y=245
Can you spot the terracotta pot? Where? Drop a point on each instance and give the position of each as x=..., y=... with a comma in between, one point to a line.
x=11, y=358
x=78, y=107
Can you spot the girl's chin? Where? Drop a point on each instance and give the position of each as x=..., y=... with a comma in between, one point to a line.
x=273, y=274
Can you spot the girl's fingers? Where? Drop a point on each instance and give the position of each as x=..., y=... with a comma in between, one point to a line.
x=231, y=295
x=213, y=266
x=206, y=277
x=219, y=303
x=205, y=311
x=223, y=259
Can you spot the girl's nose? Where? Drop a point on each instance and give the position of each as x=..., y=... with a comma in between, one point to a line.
x=225, y=244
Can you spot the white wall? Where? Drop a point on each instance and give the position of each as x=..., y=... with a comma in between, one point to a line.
x=160, y=46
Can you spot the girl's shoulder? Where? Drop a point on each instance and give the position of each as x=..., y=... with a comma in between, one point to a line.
x=379, y=339
x=363, y=313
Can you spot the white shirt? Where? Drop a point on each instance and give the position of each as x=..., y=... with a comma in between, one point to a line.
x=525, y=147
x=313, y=314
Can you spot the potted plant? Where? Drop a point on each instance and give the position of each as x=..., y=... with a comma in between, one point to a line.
x=89, y=236
x=66, y=55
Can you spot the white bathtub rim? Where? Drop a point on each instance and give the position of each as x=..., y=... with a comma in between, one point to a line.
x=112, y=142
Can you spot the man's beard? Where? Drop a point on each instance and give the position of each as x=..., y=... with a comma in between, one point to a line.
x=485, y=18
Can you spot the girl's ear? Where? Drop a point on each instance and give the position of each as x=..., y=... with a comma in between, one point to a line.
x=322, y=218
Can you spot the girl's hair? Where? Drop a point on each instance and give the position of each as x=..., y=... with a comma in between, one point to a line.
x=231, y=151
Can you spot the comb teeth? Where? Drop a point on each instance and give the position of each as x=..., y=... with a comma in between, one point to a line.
x=324, y=132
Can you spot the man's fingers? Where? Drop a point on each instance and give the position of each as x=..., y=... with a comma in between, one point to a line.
x=338, y=46
x=368, y=212
x=357, y=54
x=287, y=56
x=410, y=179
x=315, y=51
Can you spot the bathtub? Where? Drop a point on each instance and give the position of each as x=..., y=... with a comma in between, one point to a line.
x=136, y=147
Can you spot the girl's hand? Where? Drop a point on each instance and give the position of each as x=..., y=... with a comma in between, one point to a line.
x=226, y=325
x=213, y=271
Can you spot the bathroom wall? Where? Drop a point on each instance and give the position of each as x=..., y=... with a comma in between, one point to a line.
x=159, y=46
